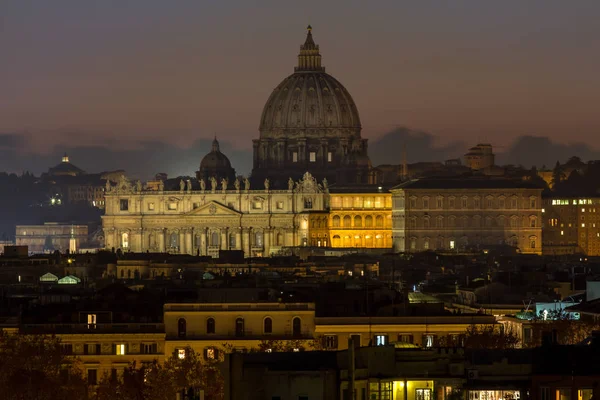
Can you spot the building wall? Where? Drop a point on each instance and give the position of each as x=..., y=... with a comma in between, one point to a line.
x=458, y=219
x=225, y=316
x=259, y=222
x=571, y=225
x=360, y=220
x=34, y=236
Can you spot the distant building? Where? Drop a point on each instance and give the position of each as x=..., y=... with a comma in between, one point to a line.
x=51, y=236
x=65, y=168
x=480, y=157
x=571, y=225
x=458, y=214
x=216, y=164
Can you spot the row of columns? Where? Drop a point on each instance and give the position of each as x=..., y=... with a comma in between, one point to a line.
x=195, y=240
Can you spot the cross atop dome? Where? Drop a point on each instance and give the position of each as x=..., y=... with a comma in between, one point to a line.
x=309, y=58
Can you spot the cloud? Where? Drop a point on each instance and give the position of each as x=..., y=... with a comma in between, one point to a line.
x=420, y=146
x=142, y=162
x=541, y=150
x=12, y=141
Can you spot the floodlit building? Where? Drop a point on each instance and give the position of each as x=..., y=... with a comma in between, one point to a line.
x=571, y=225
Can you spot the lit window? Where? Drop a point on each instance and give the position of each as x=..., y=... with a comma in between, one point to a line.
x=210, y=353
x=381, y=340
x=125, y=240
x=312, y=156
x=583, y=210
x=120, y=350
x=295, y=156
x=562, y=233
x=329, y=156
x=91, y=321
x=583, y=225
x=181, y=354
x=451, y=244
x=172, y=206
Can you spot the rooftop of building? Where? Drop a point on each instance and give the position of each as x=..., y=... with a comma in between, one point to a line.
x=467, y=182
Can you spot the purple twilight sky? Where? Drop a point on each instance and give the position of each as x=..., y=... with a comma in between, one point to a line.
x=119, y=74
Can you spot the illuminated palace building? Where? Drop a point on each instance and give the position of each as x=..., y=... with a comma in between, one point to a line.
x=572, y=226
x=313, y=185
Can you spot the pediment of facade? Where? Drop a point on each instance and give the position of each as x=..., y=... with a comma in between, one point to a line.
x=213, y=208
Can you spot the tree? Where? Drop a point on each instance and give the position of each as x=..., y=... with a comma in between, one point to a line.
x=35, y=367
x=490, y=337
x=558, y=175
x=189, y=374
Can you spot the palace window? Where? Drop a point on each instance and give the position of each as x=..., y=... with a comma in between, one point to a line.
x=312, y=156
x=125, y=240
x=336, y=221
x=330, y=342
x=347, y=221
x=239, y=327
x=120, y=349
x=210, y=325
x=181, y=327
x=279, y=205
x=268, y=325
x=381, y=340
x=295, y=156
x=150, y=206
x=329, y=156
x=258, y=239
x=440, y=202
x=181, y=354
x=379, y=221
x=92, y=376
x=297, y=327
x=357, y=221
x=124, y=205
x=172, y=206
x=368, y=221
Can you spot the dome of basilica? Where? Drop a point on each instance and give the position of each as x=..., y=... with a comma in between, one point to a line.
x=310, y=123
x=309, y=101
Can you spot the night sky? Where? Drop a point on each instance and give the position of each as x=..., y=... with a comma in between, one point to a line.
x=122, y=76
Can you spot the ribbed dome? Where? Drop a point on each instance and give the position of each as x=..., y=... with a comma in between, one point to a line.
x=215, y=159
x=309, y=100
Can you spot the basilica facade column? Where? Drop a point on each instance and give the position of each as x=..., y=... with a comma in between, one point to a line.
x=238, y=239
x=267, y=242
x=203, y=243
x=246, y=242
x=161, y=240
x=224, y=242
x=182, y=249
x=188, y=241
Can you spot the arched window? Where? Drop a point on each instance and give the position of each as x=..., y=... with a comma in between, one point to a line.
x=347, y=221
x=532, y=221
x=258, y=239
x=239, y=327
x=232, y=242
x=379, y=221
x=268, y=325
x=336, y=221
x=214, y=239
x=368, y=221
x=210, y=325
x=181, y=327
x=413, y=244
x=125, y=240
x=358, y=221
x=426, y=222
x=336, y=241
x=426, y=244
x=297, y=327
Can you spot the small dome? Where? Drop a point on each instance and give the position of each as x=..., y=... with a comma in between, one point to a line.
x=65, y=168
x=215, y=159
